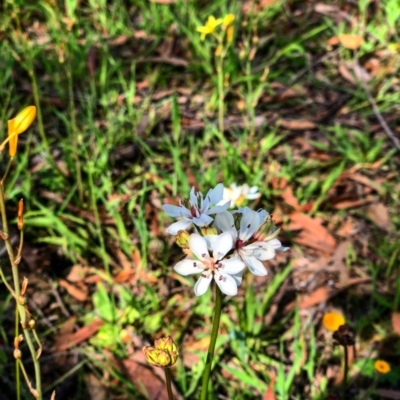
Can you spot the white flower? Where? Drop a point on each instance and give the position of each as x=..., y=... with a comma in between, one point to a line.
x=250, y=247
x=212, y=267
x=196, y=210
x=237, y=194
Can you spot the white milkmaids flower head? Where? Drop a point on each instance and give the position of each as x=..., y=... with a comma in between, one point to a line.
x=196, y=209
x=215, y=266
x=251, y=245
x=238, y=194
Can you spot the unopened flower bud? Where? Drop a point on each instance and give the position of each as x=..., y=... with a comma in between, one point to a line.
x=17, y=353
x=218, y=51
x=32, y=324
x=24, y=286
x=229, y=34
x=21, y=300
x=208, y=230
x=182, y=239
x=20, y=222
x=166, y=343
x=164, y=354
x=344, y=336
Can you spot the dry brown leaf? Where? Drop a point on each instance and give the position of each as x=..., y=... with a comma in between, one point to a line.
x=77, y=273
x=345, y=204
x=346, y=74
x=350, y=41
x=150, y=381
x=379, y=214
x=312, y=234
x=316, y=297
x=297, y=125
x=64, y=342
x=79, y=291
x=396, y=322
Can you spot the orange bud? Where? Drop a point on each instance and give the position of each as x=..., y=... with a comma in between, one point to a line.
x=20, y=222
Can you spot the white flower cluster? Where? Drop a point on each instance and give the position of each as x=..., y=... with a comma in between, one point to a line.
x=222, y=246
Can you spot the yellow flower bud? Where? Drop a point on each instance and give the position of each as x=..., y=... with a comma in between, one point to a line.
x=208, y=230
x=163, y=355
x=182, y=239
x=229, y=34
x=18, y=125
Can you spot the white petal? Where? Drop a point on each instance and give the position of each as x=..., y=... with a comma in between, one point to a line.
x=218, y=209
x=214, y=196
x=282, y=248
x=226, y=283
x=202, y=284
x=176, y=211
x=262, y=215
x=255, y=266
x=222, y=245
x=261, y=250
x=203, y=220
x=275, y=243
x=210, y=239
x=249, y=224
x=189, y=267
x=198, y=245
x=193, y=197
x=181, y=225
x=238, y=277
x=232, y=266
x=224, y=221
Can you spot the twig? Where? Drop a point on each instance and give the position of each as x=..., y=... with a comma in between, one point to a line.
x=379, y=116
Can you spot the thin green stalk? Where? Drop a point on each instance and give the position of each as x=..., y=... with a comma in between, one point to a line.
x=213, y=340
x=17, y=371
x=42, y=133
x=168, y=383
x=17, y=292
x=74, y=128
x=220, y=73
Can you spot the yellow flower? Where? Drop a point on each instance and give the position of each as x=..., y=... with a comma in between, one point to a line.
x=228, y=20
x=332, y=321
x=382, y=366
x=18, y=125
x=209, y=27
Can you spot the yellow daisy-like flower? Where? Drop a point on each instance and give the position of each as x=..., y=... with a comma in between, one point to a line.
x=332, y=321
x=382, y=366
x=209, y=27
x=228, y=20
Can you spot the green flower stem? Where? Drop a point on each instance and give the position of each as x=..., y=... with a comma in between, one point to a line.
x=220, y=73
x=17, y=293
x=168, y=383
x=213, y=340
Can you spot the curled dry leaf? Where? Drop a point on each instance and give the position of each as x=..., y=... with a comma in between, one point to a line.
x=350, y=41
